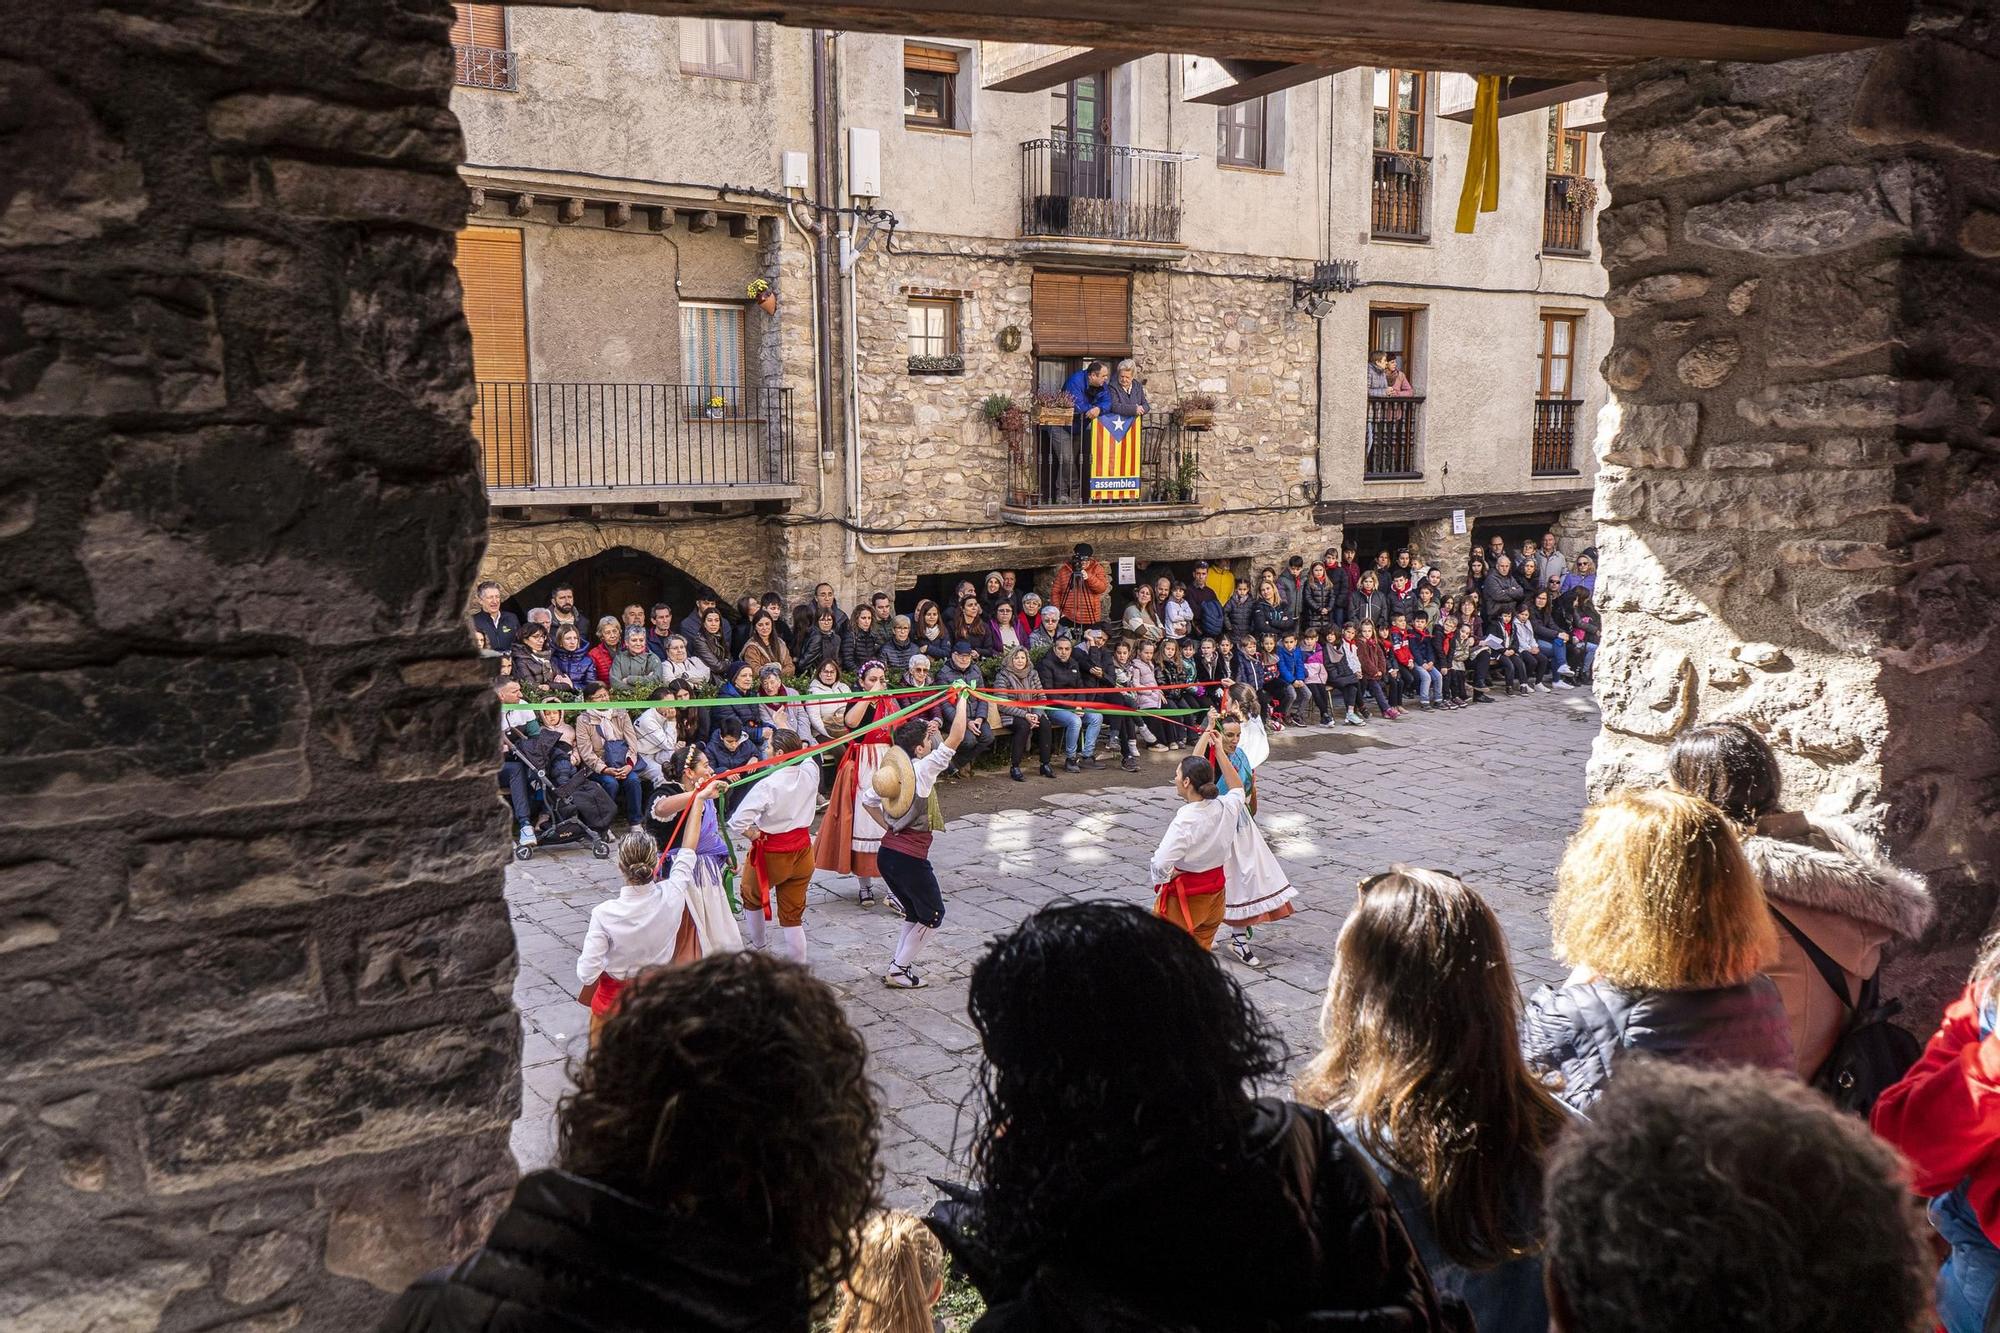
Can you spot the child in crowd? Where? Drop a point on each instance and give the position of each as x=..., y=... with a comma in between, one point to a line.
x=1270, y=683
x=1424, y=661
x=1375, y=671
x=1454, y=655
x=1402, y=596
x=728, y=749
x=898, y=1278
x=1403, y=660
x=1343, y=669
x=1506, y=649
x=1292, y=674
x=1178, y=613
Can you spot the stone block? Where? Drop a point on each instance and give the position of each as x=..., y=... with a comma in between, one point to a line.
x=1844, y=555
x=151, y=738
x=1672, y=578
x=1628, y=299
x=98, y=345
x=1845, y=404
x=450, y=951
x=1653, y=436
x=314, y=1107
x=326, y=192
x=1715, y=141
x=1793, y=501
x=1834, y=208
x=1627, y=368
x=56, y=1300
x=1823, y=314
x=1632, y=233
x=72, y=178
x=262, y=1266
x=1929, y=90
x=390, y=1230
x=1948, y=617
x=1709, y=362
x=1857, y=619
x=1743, y=295
x=1745, y=457
x=1648, y=688
x=406, y=133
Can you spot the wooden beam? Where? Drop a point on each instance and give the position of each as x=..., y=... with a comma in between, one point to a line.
x=701, y=221
x=1535, y=38
x=617, y=214
x=475, y=199
x=1455, y=94
x=660, y=219
x=524, y=204
x=1227, y=82
x=569, y=210
x=1015, y=67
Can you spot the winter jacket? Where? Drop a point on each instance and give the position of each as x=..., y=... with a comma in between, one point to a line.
x=1239, y=616
x=758, y=656
x=1249, y=670
x=1403, y=603
x=1318, y=600
x=1835, y=885
x=1543, y=619
x=1273, y=618
x=896, y=656
x=690, y=669
x=859, y=647
x=1208, y=617
x=1576, y=1034
x=1423, y=650
x=1143, y=623
x=820, y=647
x=1500, y=592
x=1081, y=601
x=1017, y=680
x=750, y=715
x=1179, y=618
x=1368, y=606
x=499, y=630
x=579, y=666
x=980, y=635
x=805, y=619
x=1374, y=658
x=591, y=742
x=949, y=674
x=1292, y=665
x=635, y=671
x=1139, y=1252
x=547, y=747
x=1944, y=1114
x=1146, y=686
x=1339, y=669
x=708, y=648
x=571, y=1253
x=600, y=657
x=723, y=759
x=1057, y=674
x=535, y=671
x=655, y=730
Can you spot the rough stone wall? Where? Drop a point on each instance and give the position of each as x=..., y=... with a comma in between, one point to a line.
x=1799, y=500
x=262, y=1061
x=733, y=556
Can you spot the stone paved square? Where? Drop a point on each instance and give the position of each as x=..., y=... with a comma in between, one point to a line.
x=1489, y=793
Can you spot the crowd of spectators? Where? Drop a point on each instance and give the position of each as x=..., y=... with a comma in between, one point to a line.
x=1326, y=642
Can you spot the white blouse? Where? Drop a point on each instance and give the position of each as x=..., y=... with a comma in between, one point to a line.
x=637, y=928
x=1199, y=837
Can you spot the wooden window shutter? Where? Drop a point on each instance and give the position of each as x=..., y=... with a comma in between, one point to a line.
x=930, y=59
x=480, y=25
x=1082, y=314
x=496, y=311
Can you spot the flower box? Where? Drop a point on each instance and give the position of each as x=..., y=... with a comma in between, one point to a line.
x=937, y=365
x=1197, y=418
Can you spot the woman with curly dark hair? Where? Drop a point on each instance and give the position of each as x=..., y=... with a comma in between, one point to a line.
x=713, y=1165
x=1125, y=1174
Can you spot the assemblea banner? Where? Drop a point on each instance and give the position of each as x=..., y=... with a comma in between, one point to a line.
x=1114, y=457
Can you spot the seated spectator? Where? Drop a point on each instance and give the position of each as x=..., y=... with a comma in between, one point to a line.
x=563, y=610
x=635, y=668
x=679, y=666
x=575, y=668
x=659, y=628
x=1729, y=1202
x=1577, y=614
x=972, y=627
x=548, y=743
x=1142, y=618
x=707, y=643
x=532, y=664
x=739, y=625
x=928, y=630
x=1582, y=575
x=964, y=666
x=1024, y=723
x=713, y=1167
x=1528, y=569
x=1500, y=591
x=1062, y=672
x=633, y=616
x=1828, y=883
x=729, y=748
x=1047, y=630
x=496, y=626
x=1029, y=615
x=1368, y=603
x=607, y=748
x=789, y=716
x=1420, y=1065
x=861, y=643
x=609, y=643
x=825, y=720
x=1119, y=1140
x=762, y=647
x=1006, y=627
x=820, y=644
x=1944, y=1116
x=658, y=735
x=897, y=1280
x=807, y=614
x=1668, y=934
x=741, y=683
x=690, y=724
x=1146, y=692
x=900, y=648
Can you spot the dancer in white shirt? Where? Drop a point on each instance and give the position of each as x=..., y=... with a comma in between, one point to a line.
x=898, y=797
x=1188, y=875
x=648, y=923
x=775, y=818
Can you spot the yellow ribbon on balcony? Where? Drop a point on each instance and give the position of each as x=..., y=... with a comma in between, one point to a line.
x=1482, y=165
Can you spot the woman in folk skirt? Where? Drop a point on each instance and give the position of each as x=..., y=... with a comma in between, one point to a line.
x=850, y=837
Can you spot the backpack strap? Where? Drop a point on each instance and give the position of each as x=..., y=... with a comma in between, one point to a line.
x=1830, y=972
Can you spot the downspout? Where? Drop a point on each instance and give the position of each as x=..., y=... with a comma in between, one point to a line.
x=825, y=427
x=825, y=132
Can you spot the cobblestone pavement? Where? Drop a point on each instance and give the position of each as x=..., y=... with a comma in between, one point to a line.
x=1490, y=794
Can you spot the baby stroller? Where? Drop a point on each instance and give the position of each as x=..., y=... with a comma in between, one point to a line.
x=576, y=809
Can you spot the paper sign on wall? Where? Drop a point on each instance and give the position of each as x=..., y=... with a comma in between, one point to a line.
x=1458, y=522
x=1128, y=571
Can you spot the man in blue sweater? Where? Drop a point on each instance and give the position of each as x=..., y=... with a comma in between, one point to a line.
x=1090, y=390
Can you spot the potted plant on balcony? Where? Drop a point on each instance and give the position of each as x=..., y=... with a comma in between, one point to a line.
x=1004, y=415
x=1054, y=409
x=713, y=408
x=763, y=294
x=1196, y=411
x=1187, y=473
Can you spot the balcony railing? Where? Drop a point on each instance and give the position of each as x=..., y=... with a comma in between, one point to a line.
x=1555, y=437
x=1080, y=187
x=1566, y=207
x=1048, y=469
x=485, y=67
x=1394, y=426
x=1400, y=199
x=559, y=438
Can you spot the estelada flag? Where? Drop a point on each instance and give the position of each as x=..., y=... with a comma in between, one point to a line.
x=1114, y=457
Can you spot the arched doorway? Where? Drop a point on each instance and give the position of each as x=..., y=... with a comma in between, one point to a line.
x=613, y=579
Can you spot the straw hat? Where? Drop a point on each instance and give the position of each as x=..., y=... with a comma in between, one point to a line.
x=896, y=782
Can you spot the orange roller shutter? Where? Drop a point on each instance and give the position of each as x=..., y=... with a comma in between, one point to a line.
x=480, y=25
x=496, y=311
x=1082, y=314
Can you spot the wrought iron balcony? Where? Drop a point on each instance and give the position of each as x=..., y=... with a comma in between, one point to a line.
x=1390, y=446
x=1399, y=204
x=485, y=67
x=1076, y=187
x=1554, y=451
x=631, y=443
x=1566, y=208
x=1049, y=469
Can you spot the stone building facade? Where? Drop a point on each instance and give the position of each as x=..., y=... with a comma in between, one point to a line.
x=584, y=154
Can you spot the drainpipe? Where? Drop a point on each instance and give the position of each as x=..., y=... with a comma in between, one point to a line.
x=825, y=137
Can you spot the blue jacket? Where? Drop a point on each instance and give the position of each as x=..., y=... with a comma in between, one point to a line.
x=1292, y=665
x=750, y=715
x=578, y=666
x=723, y=761
x=1078, y=388
x=1423, y=649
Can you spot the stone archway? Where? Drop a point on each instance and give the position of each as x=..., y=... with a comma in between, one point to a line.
x=739, y=560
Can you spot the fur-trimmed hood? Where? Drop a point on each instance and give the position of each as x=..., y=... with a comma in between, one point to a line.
x=1850, y=876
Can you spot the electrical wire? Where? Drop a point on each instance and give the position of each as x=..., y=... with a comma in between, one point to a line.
x=723, y=189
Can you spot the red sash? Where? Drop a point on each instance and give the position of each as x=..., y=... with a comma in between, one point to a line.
x=1186, y=883
x=792, y=840
x=604, y=994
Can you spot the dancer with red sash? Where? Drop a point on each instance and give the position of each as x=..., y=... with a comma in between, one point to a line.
x=1188, y=874
x=850, y=838
x=649, y=922
x=776, y=820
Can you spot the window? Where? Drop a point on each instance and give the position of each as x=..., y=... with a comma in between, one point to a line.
x=1395, y=331
x=1082, y=314
x=1399, y=110
x=1252, y=133
x=933, y=326
x=1569, y=150
x=718, y=48
x=711, y=354
x=930, y=86
x=1558, y=358
x=479, y=44
x=493, y=281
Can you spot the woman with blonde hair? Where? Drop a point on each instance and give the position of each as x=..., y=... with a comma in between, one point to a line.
x=1667, y=929
x=898, y=1277
x=1420, y=1065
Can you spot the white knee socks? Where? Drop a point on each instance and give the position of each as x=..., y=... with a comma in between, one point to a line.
x=911, y=943
x=753, y=927
x=795, y=945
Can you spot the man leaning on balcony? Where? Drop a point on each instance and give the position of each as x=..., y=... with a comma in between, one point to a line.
x=1089, y=389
